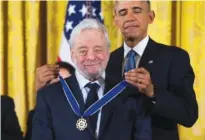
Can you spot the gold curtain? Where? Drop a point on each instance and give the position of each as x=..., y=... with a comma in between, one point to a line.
x=31, y=34
x=182, y=23
x=193, y=40
x=30, y=37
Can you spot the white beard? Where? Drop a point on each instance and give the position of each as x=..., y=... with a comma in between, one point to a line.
x=88, y=76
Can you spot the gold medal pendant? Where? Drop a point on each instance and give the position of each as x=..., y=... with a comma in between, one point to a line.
x=81, y=124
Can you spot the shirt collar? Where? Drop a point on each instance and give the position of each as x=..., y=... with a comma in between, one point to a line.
x=83, y=81
x=139, y=48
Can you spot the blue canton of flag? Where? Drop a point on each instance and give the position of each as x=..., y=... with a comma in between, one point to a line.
x=75, y=12
x=78, y=10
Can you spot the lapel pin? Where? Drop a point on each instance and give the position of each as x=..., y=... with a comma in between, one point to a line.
x=150, y=62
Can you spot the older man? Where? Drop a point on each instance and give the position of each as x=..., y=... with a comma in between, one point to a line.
x=76, y=108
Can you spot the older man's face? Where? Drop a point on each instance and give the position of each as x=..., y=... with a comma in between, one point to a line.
x=90, y=53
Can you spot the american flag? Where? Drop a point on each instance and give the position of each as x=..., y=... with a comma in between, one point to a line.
x=75, y=12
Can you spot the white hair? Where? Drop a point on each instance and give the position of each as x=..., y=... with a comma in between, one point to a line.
x=88, y=23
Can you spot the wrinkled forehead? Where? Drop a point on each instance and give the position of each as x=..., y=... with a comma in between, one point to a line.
x=90, y=37
x=88, y=33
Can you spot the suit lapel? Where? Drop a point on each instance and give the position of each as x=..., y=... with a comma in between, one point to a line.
x=74, y=86
x=149, y=56
x=113, y=77
x=119, y=65
x=105, y=115
x=115, y=66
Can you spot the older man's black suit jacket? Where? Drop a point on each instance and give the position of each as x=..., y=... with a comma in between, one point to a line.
x=120, y=119
x=173, y=77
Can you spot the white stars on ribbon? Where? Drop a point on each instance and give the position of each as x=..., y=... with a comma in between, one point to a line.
x=71, y=10
x=68, y=26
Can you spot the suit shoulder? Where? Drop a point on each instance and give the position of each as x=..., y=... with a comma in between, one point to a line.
x=50, y=89
x=7, y=101
x=117, y=51
x=177, y=52
x=6, y=98
x=173, y=50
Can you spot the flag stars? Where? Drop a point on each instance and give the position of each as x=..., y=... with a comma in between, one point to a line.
x=101, y=15
x=68, y=26
x=83, y=10
x=93, y=12
x=71, y=10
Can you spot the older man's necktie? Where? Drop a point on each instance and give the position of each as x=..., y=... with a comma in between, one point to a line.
x=92, y=97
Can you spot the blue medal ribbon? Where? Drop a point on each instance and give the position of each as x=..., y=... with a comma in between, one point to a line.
x=109, y=96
